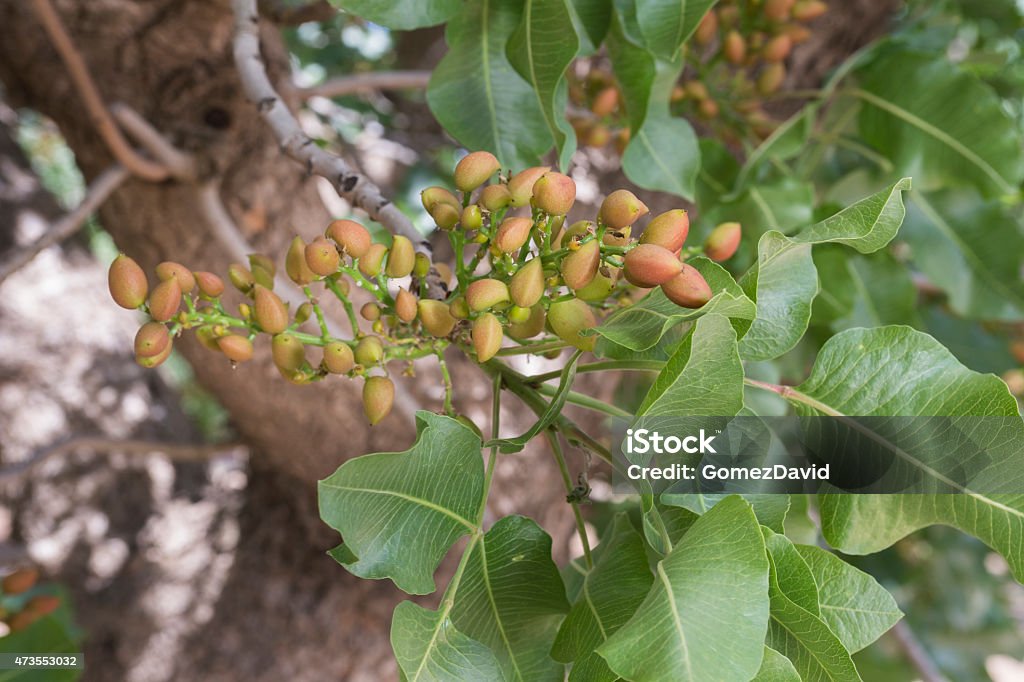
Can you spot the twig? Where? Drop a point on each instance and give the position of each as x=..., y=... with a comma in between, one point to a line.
x=283, y=15
x=87, y=90
x=180, y=164
x=916, y=654
x=183, y=453
x=101, y=188
x=367, y=82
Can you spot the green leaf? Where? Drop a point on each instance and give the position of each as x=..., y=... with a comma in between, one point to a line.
x=788, y=140
x=971, y=249
x=852, y=603
x=794, y=631
x=400, y=512
x=554, y=409
x=776, y=668
x=48, y=635
x=664, y=526
x=667, y=24
x=862, y=291
x=900, y=371
x=784, y=282
x=663, y=155
x=703, y=377
x=938, y=123
x=476, y=94
x=710, y=590
x=640, y=326
x=635, y=68
x=540, y=49
x=794, y=576
x=428, y=647
x=783, y=205
x=595, y=17
x=610, y=594
x=770, y=509
x=512, y=599
x=402, y=15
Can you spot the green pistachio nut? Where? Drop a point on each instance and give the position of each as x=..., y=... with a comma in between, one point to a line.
x=338, y=358
x=303, y=313
x=127, y=283
x=527, y=285
x=580, y=266
x=370, y=312
x=512, y=234
x=487, y=336
x=486, y=293
x=432, y=196
x=369, y=351
x=520, y=185
x=598, y=289
x=421, y=268
x=569, y=318
x=405, y=305
x=494, y=198
x=288, y=353
x=458, y=308
x=378, y=397
x=240, y=277
x=554, y=193
x=533, y=325
x=436, y=318
x=295, y=263
x=445, y=216
x=472, y=218
x=269, y=311
x=401, y=258
x=474, y=170
x=688, y=289
x=649, y=265
x=151, y=361
x=621, y=209
x=371, y=262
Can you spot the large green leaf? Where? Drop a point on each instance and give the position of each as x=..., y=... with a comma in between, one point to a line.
x=770, y=509
x=938, y=123
x=428, y=647
x=609, y=595
x=862, y=290
x=595, y=17
x=635, y=67
x=971, y=249
x=476, y=94
x=400, y=512
x=784, y=282
x=899, y=371
x=640, y=326
x=703, y=377
x=795, y=630
x=710, y=591
x=776, y=668
x=512, y=599
x=541, y=49
x=663, y=155
x=667, y=24
x=402, y=14
x=852, y=603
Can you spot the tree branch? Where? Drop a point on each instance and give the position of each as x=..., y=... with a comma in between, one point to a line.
x=367, y=82
x=101, y=188
x=915, y=653
x=181, y=165
x=87, y=90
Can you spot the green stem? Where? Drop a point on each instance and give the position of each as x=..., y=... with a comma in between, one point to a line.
x=324, y=334
x=651, y=365
x=581, y=528
x=586, y=401
x=367, y=284
x=793, y=396
x=446, y=377
x=350, y=311
x=492, y=458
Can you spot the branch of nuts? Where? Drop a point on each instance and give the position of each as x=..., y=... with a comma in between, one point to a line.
x=528, y=275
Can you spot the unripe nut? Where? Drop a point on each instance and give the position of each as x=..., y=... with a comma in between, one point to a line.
x=446, y=217
x=527, y=285
x=371, y=261
x=288, y=352
x=621, y=209
x=432, y=196
x=127, y=283
x=370, y=312
x=512, y=234
x=437, y=320
x=322, y=257
x=568, y=318
x=474, y=170
x=532, y=326
x=734, y=48
x=20, y=581
x=405, y=306
x=165, y=300
x=494, y=198
x=168, y=269
x=580, y=266
x=236, y=348
x=649, y=265
x=338, y=358
x=486, y=293
x=472, y=218
x=151, y=339
x=295, y=263
x=520, y=185
x=554, y=193
x=269, y=311
x=668, y=230
x=688, y=289
x=401, y=257
x=240, y=277
x=369, y=351
x=723, y=241
x=378, y=396
x=487, y=336
x=351, y=237
x=210, y=285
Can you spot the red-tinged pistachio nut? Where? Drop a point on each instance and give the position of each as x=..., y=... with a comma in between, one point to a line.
x=240, y=277
x=295, y=263
x=728, y=15
x=338, y=358
x=208, y=338
x=771, y=78
x=369, y=351
x=494, y=198
x=798, y=34
x=649, y=265
x=458, y=308
x=512, y=234
x=708, y=108
x=517, y=315
x=168, y=269
x=435, y=317
x=378, y=397
x=352, y=238
x=370, y=312
x=734, y=48
x=127, y=283
x=20, y=581
x=533, y=325
x=236, y=348
x=696, y=90
x=688, y=289
x=809, y=10
x=401, y=258
x=707, y=29
x=371, y=261
x=570, y=317
x=606, y=102
x=669, y=230
x=446, y=217
x=723, y=241
x=1017, y=350
x=432, y=196
x=322, y=257
x=151, y=339
x=486, y=293
x=777, y=10
x=210, y=285
x=474, y=170
x=598, y=136
x=42, y=605
x=405, y=305
x=1014, y=380
x=421, y=265
x=151, y=361
x=520, y=185
x=527, y=285
x=269, y=311
x=303, y=313
x=487, y=336
x=778, y=48
x=621, y=209
x=165, y=300
x=288, y=352
x=598, y=289
x=554, y=193
x=258, y=260
x=472, y=218
x=580, y=266
x=21, y=621
x=613, y=237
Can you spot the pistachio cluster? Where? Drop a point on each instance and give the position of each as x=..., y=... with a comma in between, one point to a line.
x=30, y=610
x=520, y=273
